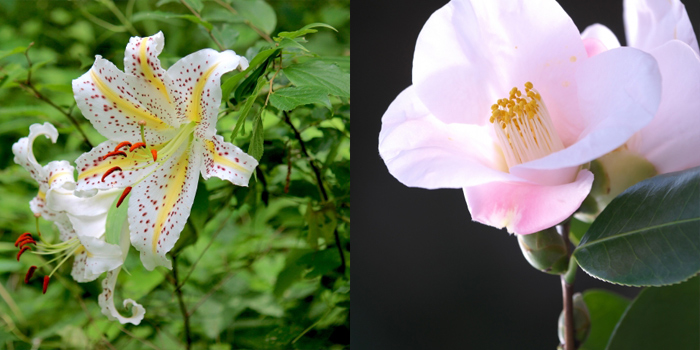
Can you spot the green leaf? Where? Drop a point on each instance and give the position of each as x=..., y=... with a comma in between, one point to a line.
x=200, y=207
x=577, y=229
x=247, y=86
x=307, y=29
x=647, y=236
x=226, y=35
x=291, y=273
x=605, y=309
x=321, y=262
x=321, y=222
x=230, y=83
x=14, y=51
x=246, y=107
x=160, y=15
x=291, y=97
x=197, y=5
x=320, y=74
x=661, y=318
x=116, y=219
x=256, y=147
x=258, y=12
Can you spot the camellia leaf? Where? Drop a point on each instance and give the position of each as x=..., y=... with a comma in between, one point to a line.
x=606, y=309
x=116, y=219
x=661, y=318
x=291, y=97
x=649, y=235
x=320, y=74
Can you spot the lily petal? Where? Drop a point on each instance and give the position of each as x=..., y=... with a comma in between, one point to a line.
x=106, y=302
x=92, y=166
x=619, y=93
x=526, y=208
x=78, y=270
x=110, y=103
x=226, y=161
x=101, y=257
x=160, y=205
x=198, y=88
x=24, y=154
x=651, y=23
x=38, y=206
x=60, y=173
x=601, y=33
x=422, y=151
x=472, y=53
x=670, y=141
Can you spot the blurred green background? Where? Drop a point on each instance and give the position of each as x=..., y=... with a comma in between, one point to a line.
x=263, y=267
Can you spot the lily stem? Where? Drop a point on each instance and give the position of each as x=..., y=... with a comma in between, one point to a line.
x=183, y=308
x=567, y=289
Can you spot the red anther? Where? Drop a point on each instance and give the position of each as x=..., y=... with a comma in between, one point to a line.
x=26, y=241
x=22, y=237
x=29, y=274
x=137, y=145
x=122, y=144
x=46, y=284
x=124, y=194
x=114, y=153
x=24, y=249
x=111, y=170
x=155, y=154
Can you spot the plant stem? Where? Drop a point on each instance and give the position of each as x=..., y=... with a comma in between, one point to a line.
x=567, y=293
x=183, y=309
x=211, y=35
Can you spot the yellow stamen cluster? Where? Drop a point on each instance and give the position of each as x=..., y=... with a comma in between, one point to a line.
x=523, y=126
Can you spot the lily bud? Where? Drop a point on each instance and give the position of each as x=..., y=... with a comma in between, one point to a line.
x=582, y=321
x=545, y=250
x=613, y=173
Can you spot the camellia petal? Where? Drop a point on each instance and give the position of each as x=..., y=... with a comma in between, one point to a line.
x=422, y=151
x=226, y=161
x=601, y=33
x=526, y=208
x=472, y=53
x=651, y=23
x=196, y=79
x=670, y=141
x=160, y=205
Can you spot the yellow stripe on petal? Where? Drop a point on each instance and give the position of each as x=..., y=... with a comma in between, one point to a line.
x=148, y=72
x=222, y=160
x=194, y=110
x=56, y=175
x=151, y=120
x=172, y=195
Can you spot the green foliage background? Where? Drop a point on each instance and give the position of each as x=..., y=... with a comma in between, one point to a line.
x=263, y=267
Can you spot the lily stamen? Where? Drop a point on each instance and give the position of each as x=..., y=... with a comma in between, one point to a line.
x=46, y=284
x=137, y=145
x=29, y=274
x=21, y=251
x=122, y=144
x=124, y=194
x=111, y=170
x=154, y=152
x=22, y=237
x=114, y=153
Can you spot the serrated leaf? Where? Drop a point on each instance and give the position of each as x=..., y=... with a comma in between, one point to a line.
x=289, y=98
x=258, y=12
x=116, y=219
x=661, y=318
x=649, y=235
x=246, y=107
x=257, y=138
x=159, y=15
x=320, y=74
x=307, y=29
x=606, y=309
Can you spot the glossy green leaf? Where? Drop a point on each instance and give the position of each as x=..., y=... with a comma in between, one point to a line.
x=258, y=12
x=320, y=74
x=116, y=219
x=605, y=309
x=661, y=318
x=246, y=107
x=649, y=235
x=292, y=97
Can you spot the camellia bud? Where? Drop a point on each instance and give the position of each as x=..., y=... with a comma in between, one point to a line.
x=613, y=173
x=582, y=321
x=545, y=250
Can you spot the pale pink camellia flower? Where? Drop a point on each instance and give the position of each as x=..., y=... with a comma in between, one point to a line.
x=81, y=222
x=467, y=123
x=662, y=28
x=161, y=127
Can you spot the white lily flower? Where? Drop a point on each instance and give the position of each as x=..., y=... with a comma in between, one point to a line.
x=161, y=127
x=81, y=223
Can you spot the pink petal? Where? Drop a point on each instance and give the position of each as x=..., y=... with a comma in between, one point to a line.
x=471, y=53
x=651, y=23
x=602, y=34
x=671, y=141
x=196, y=79
x=524, y=208
x=619, y=92
x=225, y=161
x=422, y=151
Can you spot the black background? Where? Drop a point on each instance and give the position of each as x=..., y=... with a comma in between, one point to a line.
x=424, y=276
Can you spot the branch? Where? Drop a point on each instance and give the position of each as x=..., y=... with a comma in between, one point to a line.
x=183, y=309
x=567, y=294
